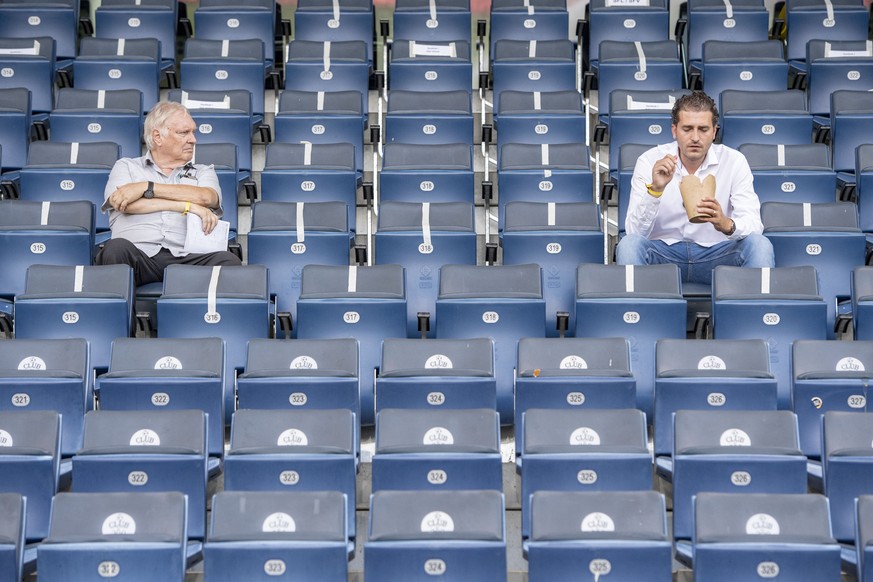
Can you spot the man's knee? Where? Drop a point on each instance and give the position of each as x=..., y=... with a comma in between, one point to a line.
x=632, y=250
x=116, y=251
x=224, y=259
x=758, y=252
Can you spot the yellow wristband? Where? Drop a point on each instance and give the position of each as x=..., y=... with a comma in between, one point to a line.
x=187, y=208
x=654, y=193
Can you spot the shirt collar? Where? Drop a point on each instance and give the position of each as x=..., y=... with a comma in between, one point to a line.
x=150, y=161
x=710, y=160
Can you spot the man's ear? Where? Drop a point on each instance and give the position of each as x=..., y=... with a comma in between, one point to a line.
x=673, y=130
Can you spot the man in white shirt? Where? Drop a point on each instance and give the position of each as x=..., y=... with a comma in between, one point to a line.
x=151, y=196
x=657, y=227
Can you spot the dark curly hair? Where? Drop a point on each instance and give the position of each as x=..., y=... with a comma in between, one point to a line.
x=696, y=101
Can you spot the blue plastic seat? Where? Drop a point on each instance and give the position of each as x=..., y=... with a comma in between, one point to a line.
x=851, y=123
x=443, y=20
x=228, y=302
x=540, y=117
x=437, y=450
x=558, y=237
x=294, y=450
x=414, y=535
x=30, y=459
x=862, y=293
x=92, y=115
x=256, y=532
x=504, y=303
x=236, y=20
x=532, y=65
x=428, y=65
x=48, y=375
x=120, y=63
x=429, y=117
x=30, y=63
x=106, y=534
x=792, y=172
x=707, y=20
x=571, y=373
x=286, y=236
x=641, y=303
x=343, y=20
x=731, y=451
x=757, y=65
x=364, y=303
x=157, y=374
x=146, y=450
x=438, y=374
x=639, y=22
x=422, y=237
x=770, y=117
x=781, y=304
x=864, y=184
x=748, y=537
x=847, y=466
x=710, y=375
x=140, y=19
x=617, y=533
x=321, y=65
x=833, y=65
x=15, y=122
x=863, y=538
x=58, y=19
x=541, y=20
x=807, y=20
x=12, y=520
x=582, y=450
x=427, y=173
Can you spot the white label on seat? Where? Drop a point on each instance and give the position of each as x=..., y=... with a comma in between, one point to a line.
x=729, y=23
x=771, y=319
x=20, y=400
x=490, y=317
x=746, y=75
x=817, y=402
x=134, y=22
x=768, y=129
x=614, y=3
x=850, y=364
x=70, y=317
x=304, y=363
x=138, y=478
x=438, y=436
x=856, y=401
x=108, y=569
x=828, y=22
x=119, y=524
x=307, y=186
x=631, y=317
x=279, y=522
x=573, y=362
x=436, y=398
x=160, y=399
x=317, y=129
x=437, y=521
x=741, y=478
x=575, y=398
x=67, y=185
x=546, y=186
x=534, y=75
x=554, y=248
x=711, y=363
x=597, y=521
x=599, y=567
x=530, y=23
x=326, y=75
x=762, y=524
x=425, y=249
x=145, y=437
x=586, y=477
x=629, y=23
x=298, y=399
x=7, y=72
x=431, y=75
x=435, y=567
x=298, y=248
x=813, y=249
x=789, y=186
x=289, y=477
x=332, y=23
x=429, y=129
x=114, y=73
x=34, y=20
x=221, y=75
x=5, y=439
x=431, y=23
x=437, y=477
x=37, y=248
x=541, y=129
x=438, y=361
x=716, y=399
x=768, y=569
x=32, y=363
x=205, y=128
x=274, y=567
x=640, y=76
x=853, y=75
x=168, y=363
x=646, y=105
x=94, y=128
x=351, y=317
x=655, y=129
x=426, y=186
x=212, y=317
x=233, y=23
x=734, y=437
x=292, y=437
x=585, y=436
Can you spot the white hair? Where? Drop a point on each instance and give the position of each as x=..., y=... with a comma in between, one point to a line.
x=157, y=119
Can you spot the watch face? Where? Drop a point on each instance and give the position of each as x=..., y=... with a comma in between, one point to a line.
x=148, y=194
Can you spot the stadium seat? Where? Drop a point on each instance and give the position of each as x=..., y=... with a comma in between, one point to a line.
x=504, y=303
x=336, y=21
x=429, y=117
x=438, y=374
x=532, y=65
x=769, y=117
x=437, y=450
x=428, y=65
x=863, y=538
x=541, y=20
x=636, y=21
x=442, y=20
x=312, y=65
x=30, y=63
x=15, y=126
x=253, y=533
x=98, y=115
x=418, y=534
x=158, y=374
x=851, y=121
x=140, y=19
x=743, y=66
x=792, y=172
x=427, y=173
x=120, y=63
x=56, y=19
x=711, y=20
x=540, y=117
x=12, y=523
x=847, y=466
x=146, y=450
x=643, y=304
x=237, y=20
x=807, y=20
x=834, y=65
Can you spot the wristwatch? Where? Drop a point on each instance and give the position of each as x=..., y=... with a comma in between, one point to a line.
x=149, y=191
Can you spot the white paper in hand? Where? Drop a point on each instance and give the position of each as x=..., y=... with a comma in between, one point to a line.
x=198, y=242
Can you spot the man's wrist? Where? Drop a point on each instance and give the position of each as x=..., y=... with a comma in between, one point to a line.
x=650, y=188
x=731, y=229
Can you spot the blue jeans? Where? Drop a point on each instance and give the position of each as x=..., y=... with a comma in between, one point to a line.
x=696, y=262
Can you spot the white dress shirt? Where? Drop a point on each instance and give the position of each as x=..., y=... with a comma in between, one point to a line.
x=664, y=218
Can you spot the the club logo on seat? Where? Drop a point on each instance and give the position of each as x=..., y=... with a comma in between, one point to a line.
x=119, y=524
x=437, y=522
x=597, y=521
x=279, y=522
x=762, y=524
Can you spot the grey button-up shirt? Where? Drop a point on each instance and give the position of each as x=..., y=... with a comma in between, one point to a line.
x=156, y=230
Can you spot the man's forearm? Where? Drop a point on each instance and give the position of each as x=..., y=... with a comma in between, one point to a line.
x=146, y=206
x=187, y=193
